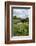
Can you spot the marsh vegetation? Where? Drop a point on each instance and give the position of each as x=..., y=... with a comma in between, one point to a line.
x=20, y=26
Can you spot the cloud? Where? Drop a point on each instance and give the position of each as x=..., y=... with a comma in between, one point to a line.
x=22, y=13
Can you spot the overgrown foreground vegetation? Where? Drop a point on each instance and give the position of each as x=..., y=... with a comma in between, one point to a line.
x=20, y=26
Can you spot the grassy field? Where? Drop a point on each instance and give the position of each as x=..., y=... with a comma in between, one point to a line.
x=20, y=28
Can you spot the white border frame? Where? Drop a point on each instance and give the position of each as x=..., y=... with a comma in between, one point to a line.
x=30, y=25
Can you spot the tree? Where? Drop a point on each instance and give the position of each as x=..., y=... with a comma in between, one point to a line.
x=25, y=20
x=14, y=17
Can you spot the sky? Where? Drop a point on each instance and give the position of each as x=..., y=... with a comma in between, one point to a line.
x=22, y=13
